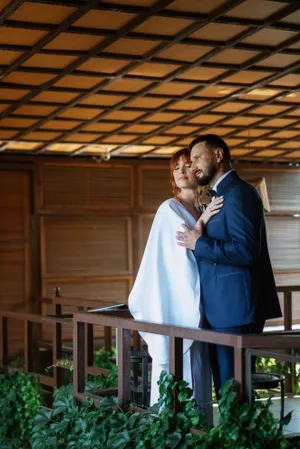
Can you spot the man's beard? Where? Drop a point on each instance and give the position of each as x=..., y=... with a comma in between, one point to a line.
x=206, y=178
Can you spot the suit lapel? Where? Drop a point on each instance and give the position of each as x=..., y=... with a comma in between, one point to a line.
x=227, y=183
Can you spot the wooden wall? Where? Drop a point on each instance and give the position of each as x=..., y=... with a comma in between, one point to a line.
x=88, y=224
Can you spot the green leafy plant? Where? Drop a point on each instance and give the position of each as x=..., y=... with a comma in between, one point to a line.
x=244, y=426
x=70, y=426
x=104, y=359
x=108, y=426
x=20, y=399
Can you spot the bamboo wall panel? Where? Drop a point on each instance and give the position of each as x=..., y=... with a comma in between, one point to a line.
x=14, y=251
x=87, y=186
x=90, y=246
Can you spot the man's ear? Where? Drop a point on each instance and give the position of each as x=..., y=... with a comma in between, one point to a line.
x=219, y=154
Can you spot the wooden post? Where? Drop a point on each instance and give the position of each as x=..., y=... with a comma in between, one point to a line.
x=287, y=307
x=3, y=341
x=176, y=364
x=90, y=345
x=78, y=356
x=287, y=316
x=57, y=340
x=136, y=341
x=124, y=351
x=240, y=372
x=28, y=345
x=107, y=339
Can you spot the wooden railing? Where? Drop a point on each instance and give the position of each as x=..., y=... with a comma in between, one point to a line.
x=176, y=335
x=28, y=320
x=132, y=337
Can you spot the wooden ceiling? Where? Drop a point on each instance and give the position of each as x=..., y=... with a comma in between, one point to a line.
x=143, y=77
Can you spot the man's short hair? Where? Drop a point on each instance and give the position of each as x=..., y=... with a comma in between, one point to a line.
x=212, y=141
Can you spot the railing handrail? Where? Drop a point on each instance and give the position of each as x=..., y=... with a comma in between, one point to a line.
x=24, y=316
x=288, y=288
x=204, y=335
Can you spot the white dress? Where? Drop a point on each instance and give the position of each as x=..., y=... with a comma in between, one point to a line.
x=167, y=291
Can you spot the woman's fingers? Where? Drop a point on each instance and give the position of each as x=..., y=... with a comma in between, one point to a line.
x=218, y=199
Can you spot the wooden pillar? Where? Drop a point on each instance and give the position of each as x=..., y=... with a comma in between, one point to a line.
x=124, y=351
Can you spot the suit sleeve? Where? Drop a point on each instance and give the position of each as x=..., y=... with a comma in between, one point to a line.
x=244, y=218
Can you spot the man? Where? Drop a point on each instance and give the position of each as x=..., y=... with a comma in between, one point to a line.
x=238, y=290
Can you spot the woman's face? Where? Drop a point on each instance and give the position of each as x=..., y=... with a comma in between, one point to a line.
x=183, y=176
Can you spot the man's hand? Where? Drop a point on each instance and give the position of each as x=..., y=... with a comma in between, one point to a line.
x=189, y=238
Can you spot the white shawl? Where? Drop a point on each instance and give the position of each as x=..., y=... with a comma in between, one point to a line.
x=167, y=286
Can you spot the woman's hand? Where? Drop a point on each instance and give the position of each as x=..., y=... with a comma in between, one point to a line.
x=212, y=209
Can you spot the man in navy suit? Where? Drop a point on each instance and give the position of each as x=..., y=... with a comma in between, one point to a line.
x=238, y=291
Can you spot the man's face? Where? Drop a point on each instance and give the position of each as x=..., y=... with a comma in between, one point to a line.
x=204, y=163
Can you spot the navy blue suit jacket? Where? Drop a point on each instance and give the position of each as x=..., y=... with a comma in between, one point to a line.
x=237, y=282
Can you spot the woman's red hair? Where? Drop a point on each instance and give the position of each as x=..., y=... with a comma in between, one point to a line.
x=185, y=154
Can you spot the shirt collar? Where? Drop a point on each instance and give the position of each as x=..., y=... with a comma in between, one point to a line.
x=221, y=179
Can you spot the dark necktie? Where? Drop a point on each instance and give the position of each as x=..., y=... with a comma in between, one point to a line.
x=211, y=193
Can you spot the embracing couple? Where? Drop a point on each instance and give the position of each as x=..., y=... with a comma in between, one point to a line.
x=215, y=274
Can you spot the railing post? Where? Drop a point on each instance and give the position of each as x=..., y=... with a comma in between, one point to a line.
x=287, y=316
x=240, y=372
x=176, y=364
x=136, y=341
x=4, y=341
x=124, y=351
x=90, y=345
x=107, y=339
x=287, y=307
x=57, y=339
x=78, y=356
x=28, y=345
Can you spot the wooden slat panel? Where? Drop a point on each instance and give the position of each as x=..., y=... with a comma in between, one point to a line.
x=104, y=290
x=283, y=187
x=14, y=251
x=87, y=186
x=88, y=245
x=145, y=223
x=154, y=186
x=284, y=242
x=13, y=201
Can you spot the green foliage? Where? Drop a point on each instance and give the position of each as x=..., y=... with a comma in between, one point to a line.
x=20, y=399
x=270, y=365
x=70, y=426
x=244, y=426
x=108, y=426
x=103, y=358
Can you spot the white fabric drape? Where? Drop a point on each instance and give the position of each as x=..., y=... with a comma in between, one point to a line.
x=167, y=291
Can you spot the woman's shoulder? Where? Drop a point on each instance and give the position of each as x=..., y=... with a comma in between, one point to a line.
x=169, y=204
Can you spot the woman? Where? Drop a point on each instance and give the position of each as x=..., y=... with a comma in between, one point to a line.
x=167, y=287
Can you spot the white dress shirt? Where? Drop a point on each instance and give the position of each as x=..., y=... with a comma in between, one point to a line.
x=221, y=179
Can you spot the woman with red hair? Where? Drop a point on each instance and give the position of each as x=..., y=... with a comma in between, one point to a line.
x=167, y=286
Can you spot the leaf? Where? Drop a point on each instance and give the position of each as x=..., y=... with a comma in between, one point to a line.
x=286, y=419
x=173, y=440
